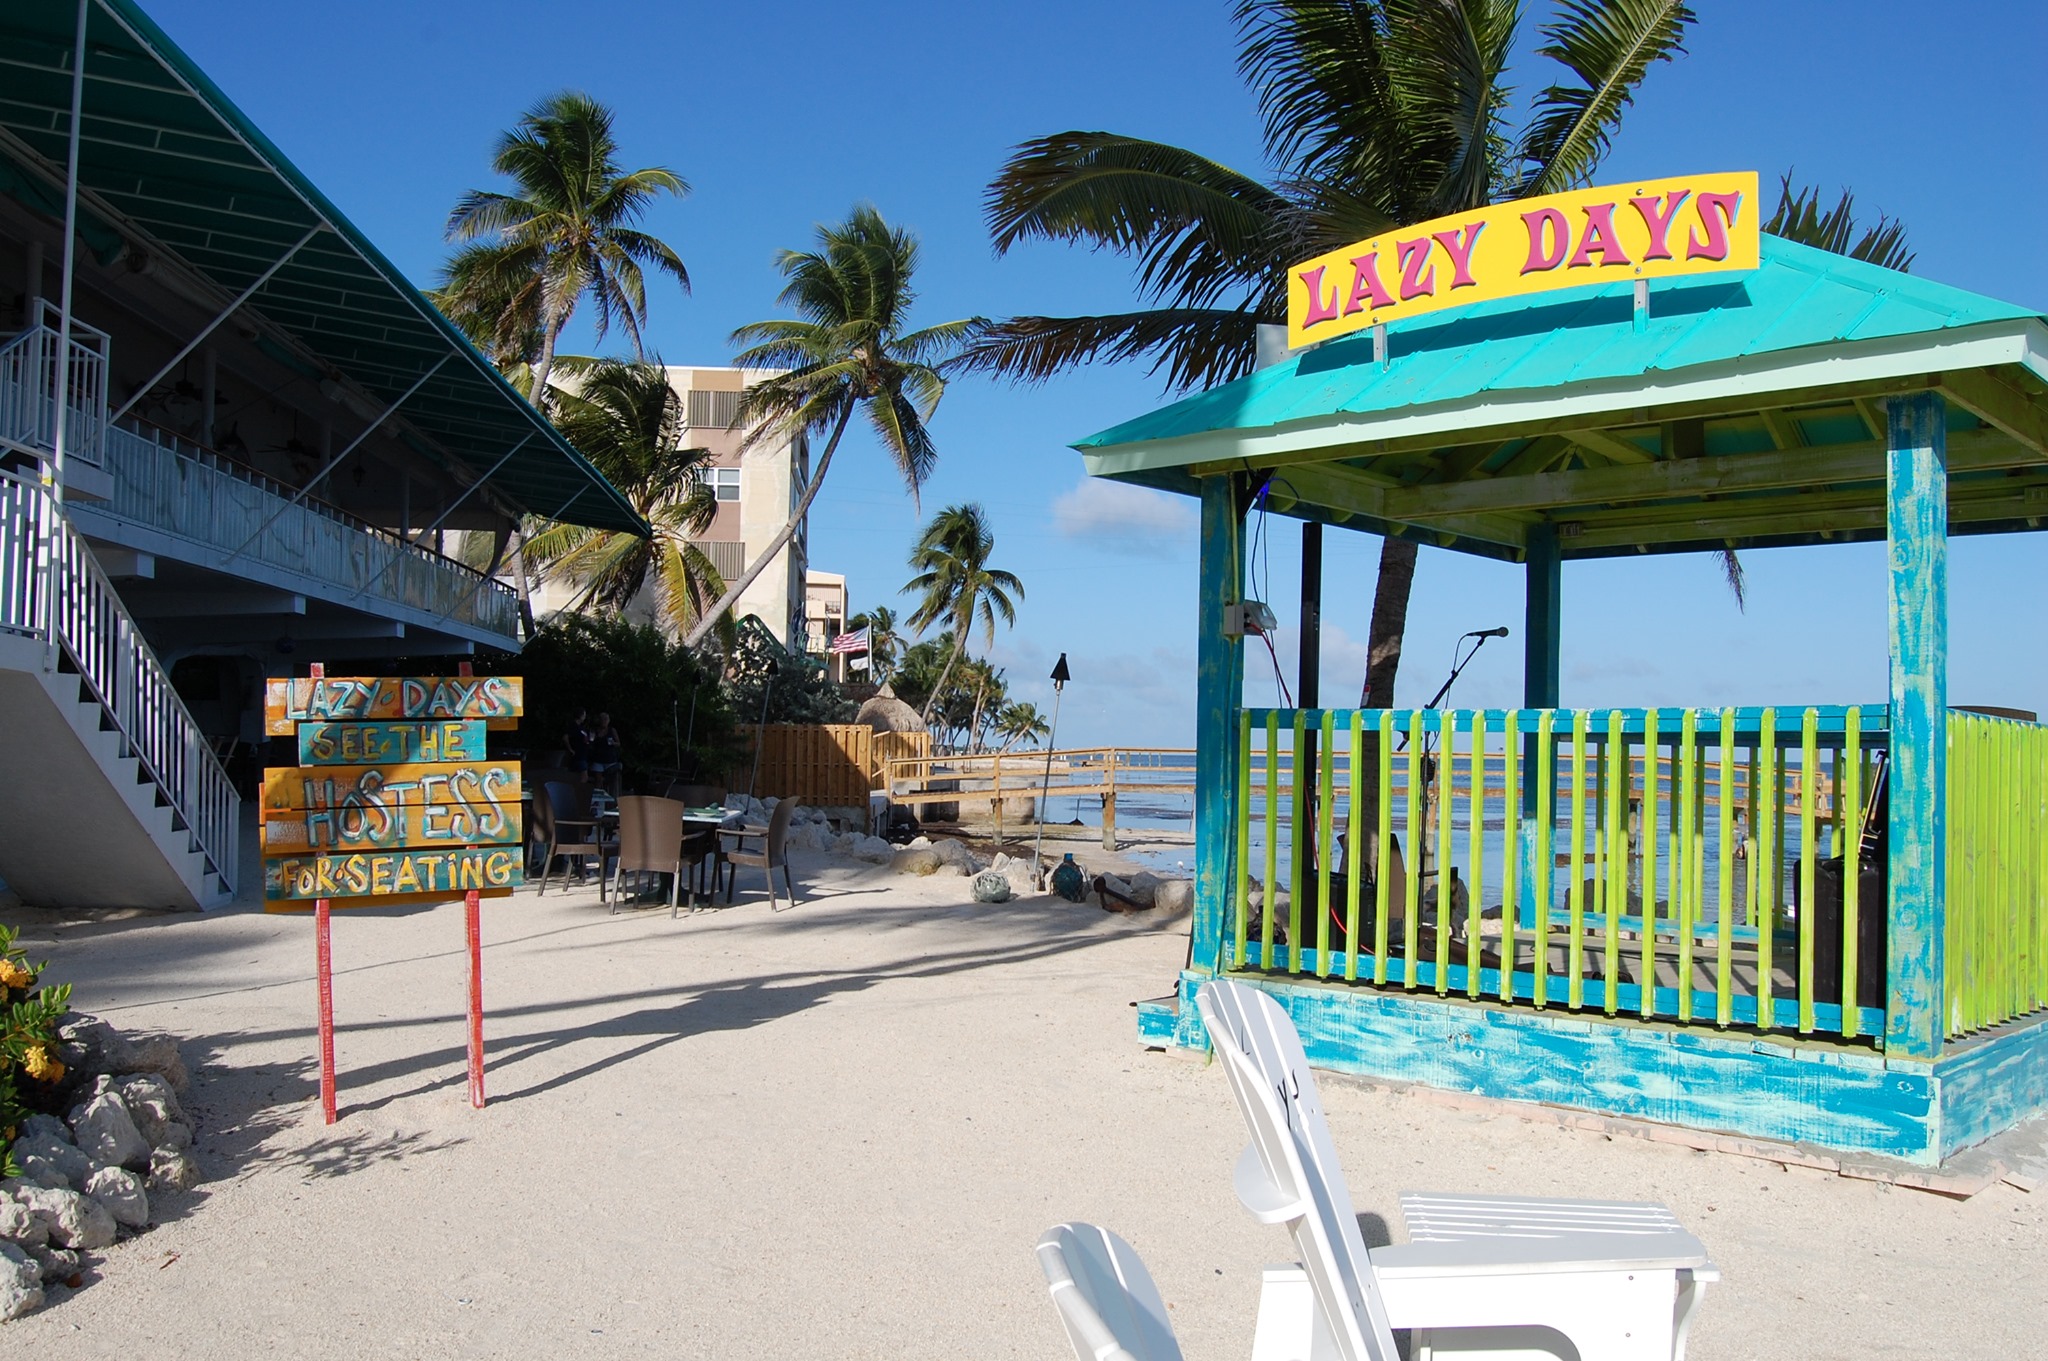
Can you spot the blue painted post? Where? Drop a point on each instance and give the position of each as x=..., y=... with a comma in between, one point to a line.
x=1219, y=693
x=1541, y=619
x=1916, y=530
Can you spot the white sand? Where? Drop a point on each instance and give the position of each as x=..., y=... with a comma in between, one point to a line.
x=835, y=1132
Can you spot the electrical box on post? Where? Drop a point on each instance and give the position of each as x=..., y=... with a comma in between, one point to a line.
x=1248, y=617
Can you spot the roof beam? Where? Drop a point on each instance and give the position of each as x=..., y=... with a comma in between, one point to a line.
x=1351, y=495
x=1784, y=430
x=212, y=604
x=1823, y=515
x=1998, y=403
x=1738, y=404
x=1968, y=451
x=1610, y=446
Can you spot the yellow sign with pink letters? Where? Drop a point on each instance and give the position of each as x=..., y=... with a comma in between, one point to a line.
x=1655, y=229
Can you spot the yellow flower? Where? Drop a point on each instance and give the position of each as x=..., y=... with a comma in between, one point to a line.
x=14, y=974
x=42, y=1065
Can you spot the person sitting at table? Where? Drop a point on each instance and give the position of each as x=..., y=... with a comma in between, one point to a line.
x=605, y=753
x=576, y=742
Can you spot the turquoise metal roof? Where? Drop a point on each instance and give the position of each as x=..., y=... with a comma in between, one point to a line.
x=1800, y=297
x=167, y=154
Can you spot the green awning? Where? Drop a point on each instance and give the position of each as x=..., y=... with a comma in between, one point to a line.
x=164, y=153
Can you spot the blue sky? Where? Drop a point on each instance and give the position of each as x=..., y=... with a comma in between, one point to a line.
x=787, y=115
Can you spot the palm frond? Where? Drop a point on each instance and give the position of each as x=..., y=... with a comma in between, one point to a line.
x=1608, y=46
x=1197, y=348
x=1328, y=101
x=1799, y=218
x=1445, y=60
x=1198, y=230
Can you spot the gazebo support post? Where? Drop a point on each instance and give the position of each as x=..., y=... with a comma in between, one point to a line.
x=1219, y=693
x=1916, y=524
x=1308, y=671
x=1541, y=620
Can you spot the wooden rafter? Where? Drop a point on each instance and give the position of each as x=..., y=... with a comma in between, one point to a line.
x=1690, y=479
x=1998, y=402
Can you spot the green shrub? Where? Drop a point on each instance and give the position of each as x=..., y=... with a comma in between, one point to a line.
x=29, y=1067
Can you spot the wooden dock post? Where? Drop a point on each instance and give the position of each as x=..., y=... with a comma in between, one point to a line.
x=1109, y=802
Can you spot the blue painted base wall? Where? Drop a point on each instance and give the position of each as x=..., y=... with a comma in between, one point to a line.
x=1847, y=1100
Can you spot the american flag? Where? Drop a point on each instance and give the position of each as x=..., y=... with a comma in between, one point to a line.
x=857, y=641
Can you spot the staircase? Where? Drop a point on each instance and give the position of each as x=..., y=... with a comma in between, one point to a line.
x=109, y=794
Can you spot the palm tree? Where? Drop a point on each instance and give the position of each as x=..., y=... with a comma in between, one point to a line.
x=846, y=350
x=957, y=584
x=565, y=233
x=1800, y=219
x=1378, y=114
x=628, y=420
x=884, y=643
x=1021, y=722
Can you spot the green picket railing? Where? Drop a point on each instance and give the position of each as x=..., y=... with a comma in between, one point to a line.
x=1997, y=920
x=1651, y=863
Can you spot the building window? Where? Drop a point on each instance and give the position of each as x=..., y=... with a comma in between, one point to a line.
x=714, y=410
x=724, y=482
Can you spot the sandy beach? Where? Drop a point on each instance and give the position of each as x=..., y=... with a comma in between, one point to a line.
x=834, y=1130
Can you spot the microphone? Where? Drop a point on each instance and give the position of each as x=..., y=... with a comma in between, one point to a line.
x=1500, y=632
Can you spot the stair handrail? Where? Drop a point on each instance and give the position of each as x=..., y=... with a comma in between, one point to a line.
x=29, y=386
x=52, y=587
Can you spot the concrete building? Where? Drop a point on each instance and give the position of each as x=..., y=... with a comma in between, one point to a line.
x=825, y=619
x=756, y=487
x=246, y=460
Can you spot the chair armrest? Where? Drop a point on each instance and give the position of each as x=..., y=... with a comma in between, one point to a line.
x=1267, y=1203
x=1564, y=1254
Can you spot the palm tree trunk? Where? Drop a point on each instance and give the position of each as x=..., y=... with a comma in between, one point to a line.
x=702, y=628
x=1382, y=661
x=544, y=363
x=974, y=742
x=516, y=552
x=959, y=646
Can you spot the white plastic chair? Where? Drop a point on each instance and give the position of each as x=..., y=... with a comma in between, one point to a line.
x=1104, y=1295
x=1500, y=1275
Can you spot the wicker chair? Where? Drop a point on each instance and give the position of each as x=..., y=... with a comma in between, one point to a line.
x=650, y=841
x=563, y=819
x=767, y=858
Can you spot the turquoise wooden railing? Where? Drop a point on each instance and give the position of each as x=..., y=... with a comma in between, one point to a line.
x=1646, y=863
x=1997, y=914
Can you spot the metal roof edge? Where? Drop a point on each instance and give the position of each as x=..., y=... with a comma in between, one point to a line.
x=2012, y=340
x=146, y=32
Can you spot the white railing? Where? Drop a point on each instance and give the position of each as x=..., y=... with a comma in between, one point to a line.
x=180, y=489
x=28, y=389
x=52, y=588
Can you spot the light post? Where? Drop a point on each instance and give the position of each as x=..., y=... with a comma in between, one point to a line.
x=1060, y=677
x=760, y=729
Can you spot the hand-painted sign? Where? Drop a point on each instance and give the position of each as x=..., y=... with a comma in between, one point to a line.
x=1656, y=229
x=385, y=874
x=355, y=744
x=326, y=808
x=498, y=700
x=394, y=796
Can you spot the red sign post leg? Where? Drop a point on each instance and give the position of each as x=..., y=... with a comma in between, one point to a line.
x=324, y=949
x=472, y=907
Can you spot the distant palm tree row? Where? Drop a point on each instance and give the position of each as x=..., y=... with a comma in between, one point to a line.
x=1376, y=114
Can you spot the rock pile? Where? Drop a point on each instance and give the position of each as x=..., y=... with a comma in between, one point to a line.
x=811, y=829
x=88, y=1177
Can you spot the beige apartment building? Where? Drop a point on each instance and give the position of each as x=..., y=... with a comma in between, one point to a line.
x=825, y=619
x=756, y=489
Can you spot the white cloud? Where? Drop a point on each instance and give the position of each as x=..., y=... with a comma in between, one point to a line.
x=1122, y=518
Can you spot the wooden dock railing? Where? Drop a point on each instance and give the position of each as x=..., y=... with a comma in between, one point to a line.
x=992, y=777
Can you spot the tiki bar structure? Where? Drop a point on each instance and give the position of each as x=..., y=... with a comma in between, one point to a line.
x=1813, y=921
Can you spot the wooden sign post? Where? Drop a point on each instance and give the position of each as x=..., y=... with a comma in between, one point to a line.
x=394, y=800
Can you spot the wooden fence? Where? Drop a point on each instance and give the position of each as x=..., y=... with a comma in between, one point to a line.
x=988, y=779
x=825, y=765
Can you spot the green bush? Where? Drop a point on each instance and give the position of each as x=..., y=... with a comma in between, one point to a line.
x=661, y=696
x=29, y=1067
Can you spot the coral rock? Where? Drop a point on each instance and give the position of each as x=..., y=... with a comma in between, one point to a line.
x=21, y=1282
